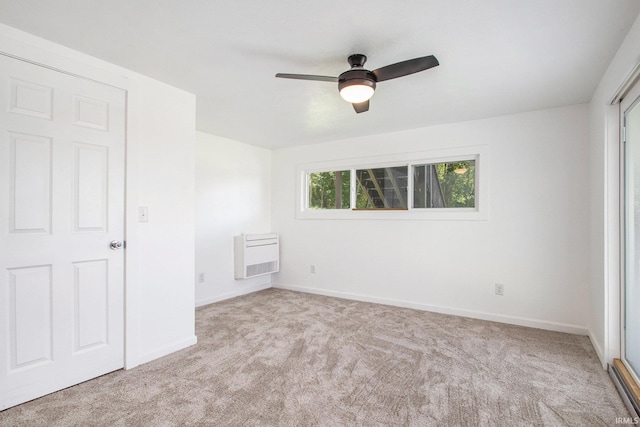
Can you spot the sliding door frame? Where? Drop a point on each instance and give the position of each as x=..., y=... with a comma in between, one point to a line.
x=630, y=100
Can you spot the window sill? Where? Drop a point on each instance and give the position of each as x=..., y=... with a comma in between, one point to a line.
x=402, y=214
x=380, y=209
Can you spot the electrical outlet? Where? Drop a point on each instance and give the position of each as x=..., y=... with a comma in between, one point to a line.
x=201, y=278
x=312, y=269
x=499, y=289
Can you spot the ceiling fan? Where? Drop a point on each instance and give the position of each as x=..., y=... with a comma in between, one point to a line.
x=358, y=84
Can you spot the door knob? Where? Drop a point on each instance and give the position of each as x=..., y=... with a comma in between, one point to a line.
x=115, y=245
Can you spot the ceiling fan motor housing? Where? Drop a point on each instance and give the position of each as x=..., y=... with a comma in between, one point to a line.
x=357, y=60
x=356, y=77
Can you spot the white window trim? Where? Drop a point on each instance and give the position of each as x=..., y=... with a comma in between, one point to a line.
x=479, y=153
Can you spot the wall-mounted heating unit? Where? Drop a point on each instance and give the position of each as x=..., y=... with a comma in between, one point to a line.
x=256, y=254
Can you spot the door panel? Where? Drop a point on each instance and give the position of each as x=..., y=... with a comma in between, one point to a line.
x=30, y=183
x=29, y=316
x=91, y=320
x=90, y=187
x=30, y=99
x=61, y=203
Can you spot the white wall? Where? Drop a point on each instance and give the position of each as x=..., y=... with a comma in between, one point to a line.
x=166, y=181
x=604, y=312
x=233, y=196
x=535, y=240
x=160, y=174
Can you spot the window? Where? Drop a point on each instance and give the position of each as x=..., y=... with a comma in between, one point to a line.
x=435, y=185
x=445, y=185
x=382, y=188
x=330, y=190
x=442, y=184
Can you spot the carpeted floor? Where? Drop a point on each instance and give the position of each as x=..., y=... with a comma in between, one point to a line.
x=281, y=358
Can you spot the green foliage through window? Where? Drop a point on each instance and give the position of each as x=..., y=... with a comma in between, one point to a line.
x=445, y=185
x=330, y=190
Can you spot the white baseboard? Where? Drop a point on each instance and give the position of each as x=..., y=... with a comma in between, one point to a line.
x=176, y=346
x=500, y=318
x=240, y=292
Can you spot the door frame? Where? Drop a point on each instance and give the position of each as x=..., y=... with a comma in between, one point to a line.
x=614, y=211
x=633, y=90
x=32, y=49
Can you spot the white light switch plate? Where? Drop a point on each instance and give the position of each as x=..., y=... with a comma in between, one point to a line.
x=143, y=214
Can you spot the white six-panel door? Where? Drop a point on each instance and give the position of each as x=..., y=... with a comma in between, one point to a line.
x=61, y=204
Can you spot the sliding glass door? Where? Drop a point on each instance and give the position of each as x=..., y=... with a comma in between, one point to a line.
x=630, y=339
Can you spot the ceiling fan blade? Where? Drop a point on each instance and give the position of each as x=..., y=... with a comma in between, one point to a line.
x=308, y=77
x=361, y=107
x=405, y=68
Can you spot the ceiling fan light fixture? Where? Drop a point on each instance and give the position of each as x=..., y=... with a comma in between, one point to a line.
x=356, y=91
x=460, y=170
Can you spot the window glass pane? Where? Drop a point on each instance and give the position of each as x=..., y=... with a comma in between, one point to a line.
x=631, y=331
x=382, y=188
x=445, y=185
x=329, y=190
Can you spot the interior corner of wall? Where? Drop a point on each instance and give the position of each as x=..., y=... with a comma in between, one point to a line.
x=597, y=346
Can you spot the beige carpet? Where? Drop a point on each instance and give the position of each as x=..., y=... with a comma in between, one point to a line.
x=280, y=358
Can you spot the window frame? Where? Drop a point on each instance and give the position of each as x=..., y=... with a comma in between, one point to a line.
x=478, y=153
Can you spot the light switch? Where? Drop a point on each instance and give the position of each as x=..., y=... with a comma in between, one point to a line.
x=143, y=214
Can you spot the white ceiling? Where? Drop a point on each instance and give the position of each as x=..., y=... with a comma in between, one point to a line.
x=496, y=56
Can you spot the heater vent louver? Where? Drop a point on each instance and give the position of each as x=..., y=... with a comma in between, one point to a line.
x=264, y=268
